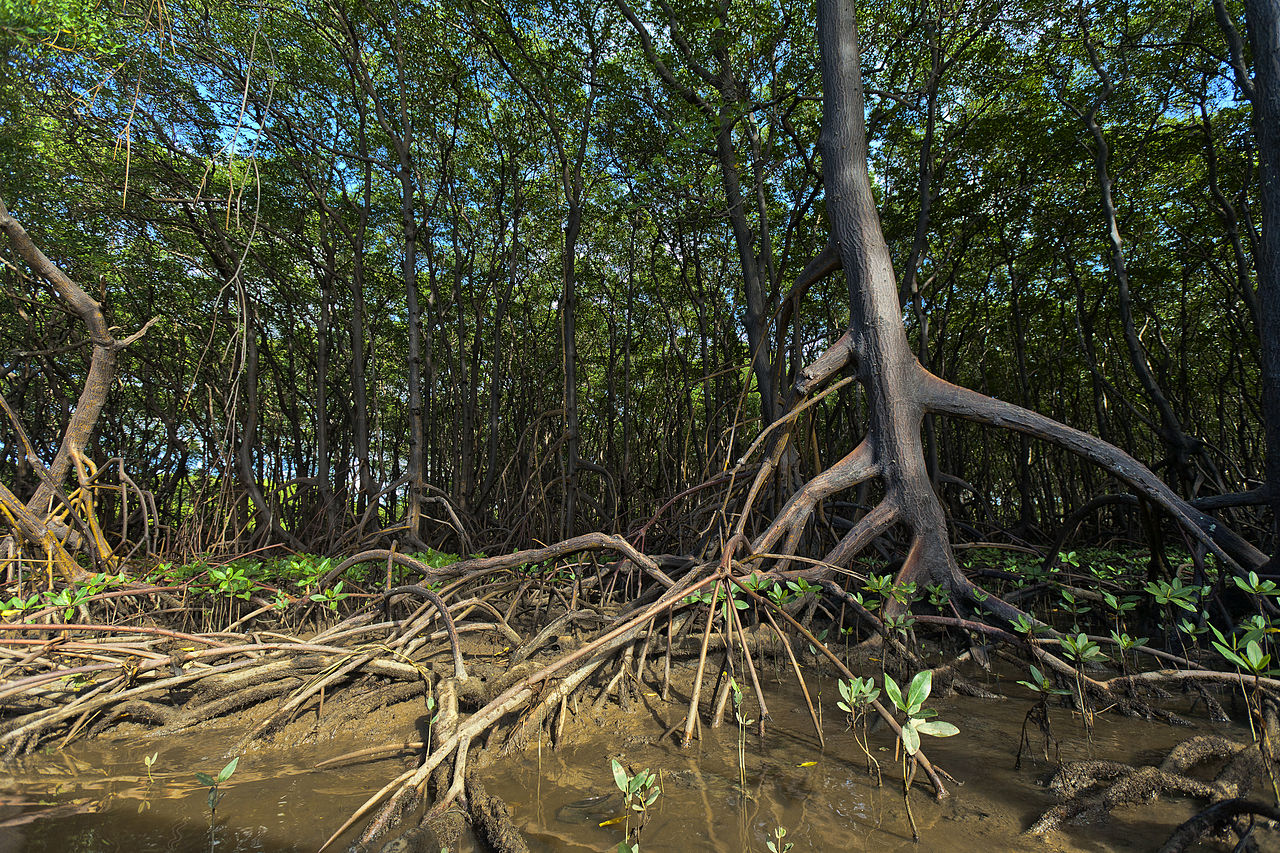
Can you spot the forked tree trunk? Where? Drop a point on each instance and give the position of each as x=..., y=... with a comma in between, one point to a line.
x=883, y=361
x=31, y=522
x=899, y=391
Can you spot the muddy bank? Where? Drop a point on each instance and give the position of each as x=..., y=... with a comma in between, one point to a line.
x=96, y=796
x=825, y=798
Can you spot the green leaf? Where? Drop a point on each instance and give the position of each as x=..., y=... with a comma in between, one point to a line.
x=1231, y=656
x=892, y=691
x=619, y=776
x=910, y=737
x=920, y=688
x=1257, y=660
x=226, y=772
x=937, y=728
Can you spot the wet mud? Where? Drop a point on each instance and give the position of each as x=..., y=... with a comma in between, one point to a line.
x=96, y=796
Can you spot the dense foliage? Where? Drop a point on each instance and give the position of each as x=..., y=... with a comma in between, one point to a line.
x=505, y=265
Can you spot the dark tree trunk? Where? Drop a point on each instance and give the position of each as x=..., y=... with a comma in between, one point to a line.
x=262, y=510
x=899, y=391
x=1263, y=92
x=886, y=367
x=356, y=325
x=1264, y=33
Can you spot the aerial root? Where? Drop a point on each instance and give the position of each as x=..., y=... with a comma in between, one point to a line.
x=550, y=700
x=939, y=789
x=392, y=814
x=853, y=469
x=534, y=689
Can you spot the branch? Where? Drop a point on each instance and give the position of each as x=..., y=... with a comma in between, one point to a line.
x=941, y=397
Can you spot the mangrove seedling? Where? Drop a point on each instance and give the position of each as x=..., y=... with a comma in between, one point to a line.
x=639, y=792
x=213, y=783
x=777, y=845
x=150, y=761
x=856, y=696
x=918, y=723
x=1039, y=714
x=1248, y=658
x=1083, y=651
x=1127, y=644
x=330, y=597
x=743, y=722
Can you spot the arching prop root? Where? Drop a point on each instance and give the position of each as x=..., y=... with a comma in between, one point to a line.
x=891, y=452
x=475, y=568
x=77, y=678
x=215, y=678
x=528, y=691
x=536, y=696
x=920, y=759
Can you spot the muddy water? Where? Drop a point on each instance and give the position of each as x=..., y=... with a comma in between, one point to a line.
x=824, y=797
x=97, y=797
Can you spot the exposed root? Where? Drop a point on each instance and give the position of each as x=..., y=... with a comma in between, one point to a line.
x=492, y=818
x=1217, y=819
x=1132, y=787
x=1092, y=789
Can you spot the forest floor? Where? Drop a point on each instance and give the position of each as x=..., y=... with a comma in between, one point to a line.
x=730, y=790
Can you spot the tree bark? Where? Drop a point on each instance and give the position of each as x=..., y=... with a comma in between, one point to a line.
x=1263, y=17
x=93, y=396
x=883, y=361
x=899, y=391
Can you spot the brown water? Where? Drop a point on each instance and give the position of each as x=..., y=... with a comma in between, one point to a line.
x=103, y=801
x=97, y=797
x=824, y=798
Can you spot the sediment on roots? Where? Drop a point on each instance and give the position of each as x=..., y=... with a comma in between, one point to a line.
x=1093, y=789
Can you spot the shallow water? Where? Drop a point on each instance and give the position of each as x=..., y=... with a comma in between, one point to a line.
x=274, y=803
x=824, y=797
x=97, y=797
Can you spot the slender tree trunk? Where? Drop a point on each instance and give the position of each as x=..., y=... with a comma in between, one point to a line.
x=403, y=143
x=356, y=326
x=758, y=316
x=324, y=463
x=102, y=362
x=569, y=348
x=248, y=440
x=1263, y=17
